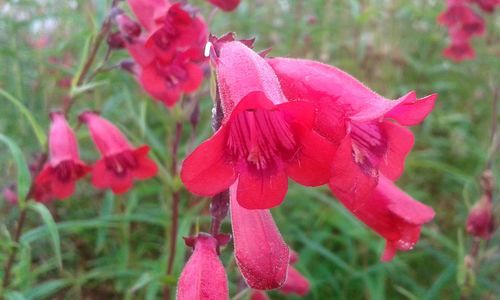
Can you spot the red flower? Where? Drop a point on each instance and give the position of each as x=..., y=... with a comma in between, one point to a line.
x=362, y=124
x=459, y=52
x=391, y=213
x=227, y=5
x=181, y=29
x=120, y=163
x=203, y=276
x=260, y=252
x=258, y=295
x=64, y=167
x=168, y=60
x=263, y=139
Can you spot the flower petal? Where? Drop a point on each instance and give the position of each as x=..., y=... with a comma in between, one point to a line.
x=400, y=140
x=261, y=189
x=412, y=111
x=207, y=171
x=146, y=167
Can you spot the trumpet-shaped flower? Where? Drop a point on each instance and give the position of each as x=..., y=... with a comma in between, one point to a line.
x=64, y=167
x=120, y=163
x=263, y=139
x=366, y=128
x=226, y=5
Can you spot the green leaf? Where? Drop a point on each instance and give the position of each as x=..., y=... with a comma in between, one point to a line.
x=39, y=132
x=23, y=173
x=46, y=289
x=52, y=228
x=14, y=296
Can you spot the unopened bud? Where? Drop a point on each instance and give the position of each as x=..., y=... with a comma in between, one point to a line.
x=116, y=41
x=480, y=221
x=128, y=28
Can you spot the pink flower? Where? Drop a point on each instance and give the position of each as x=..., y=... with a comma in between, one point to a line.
x=391, y=213
x=120, y=163
x=64, y=167
x=487, y=5
x=366, y=128
x=459, y=52
x=258, y=295
x=203, y=276
x=227, y=5
x=261, y=254
x=181, y=29
x=10, y=193
x=263, y=139
x=169, y=56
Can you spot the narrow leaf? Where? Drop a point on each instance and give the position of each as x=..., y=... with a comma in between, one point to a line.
x=52, y=228
x=23, y=173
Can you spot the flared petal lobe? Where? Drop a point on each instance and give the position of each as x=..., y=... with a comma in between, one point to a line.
x=261, y=254
x=392, y=214
x=203, y=276
x=226, y=5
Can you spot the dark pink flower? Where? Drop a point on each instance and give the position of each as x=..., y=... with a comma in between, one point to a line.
x=120, y=163
x=64, y=167
x=261, y=254
x=263, y=139
x=226, y=5
x=203, y=276
x=459, y=52
x=367, y=129
x=258, y=295
x=391, y=213
x=10, y=193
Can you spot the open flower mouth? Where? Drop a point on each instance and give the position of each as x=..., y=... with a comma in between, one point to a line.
x=121, y=163
x=68, y=170
x=261, y=138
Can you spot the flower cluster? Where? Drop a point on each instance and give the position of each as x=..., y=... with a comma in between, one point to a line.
x=286, y=118
x=166, y=46
x=119, y=165
x=463, y=23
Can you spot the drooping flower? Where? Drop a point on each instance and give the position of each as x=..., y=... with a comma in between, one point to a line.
x=64, y=167
x=263, y=139
x=261, y=254
x=203, y=276
x=459, y=51
x=367, y=128
x=462, y=18
x=120, y=163
x=391, y=213
x=226, y=5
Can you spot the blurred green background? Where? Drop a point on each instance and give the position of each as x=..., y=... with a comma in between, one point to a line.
x=116, y=247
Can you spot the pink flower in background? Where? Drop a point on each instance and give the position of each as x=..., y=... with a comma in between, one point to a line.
x=203, y=276
x=261, y=254
x=480, y=221
x=226, y=5
x=367, y=129
x=64, y=167
x=120, y=163
x=487, y=5
x=263, y=140
x=459, y=52
x=295, y=283
x=169, y=55
x=391, y=213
